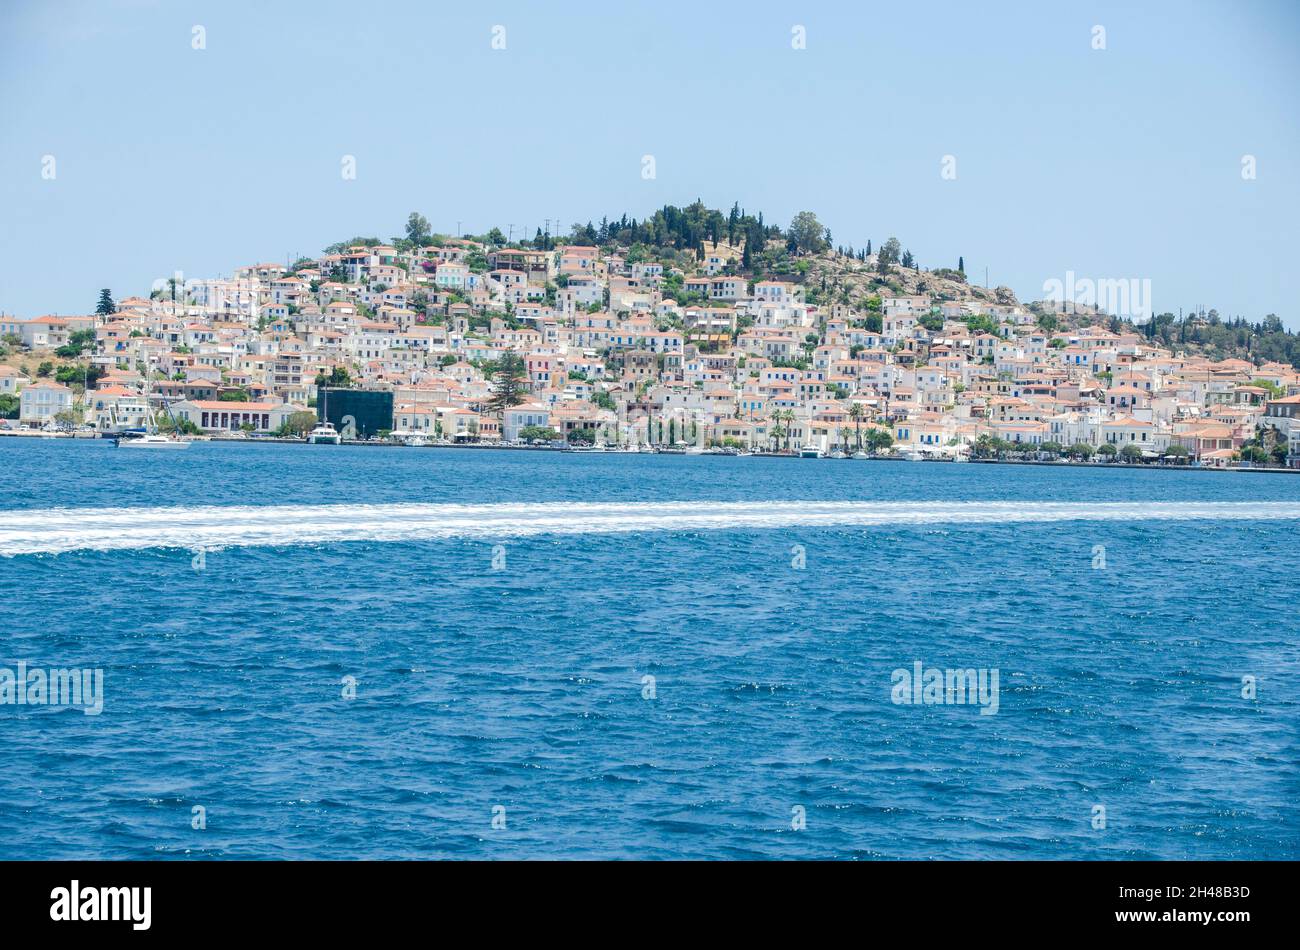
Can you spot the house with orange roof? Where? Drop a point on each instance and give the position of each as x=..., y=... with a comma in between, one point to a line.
x=222, y=416
x=44, y=333
x=113, y=408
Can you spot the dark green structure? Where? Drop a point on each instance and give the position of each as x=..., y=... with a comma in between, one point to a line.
x=356, y=413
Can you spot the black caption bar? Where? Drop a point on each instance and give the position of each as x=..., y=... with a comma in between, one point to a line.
x=340, y=899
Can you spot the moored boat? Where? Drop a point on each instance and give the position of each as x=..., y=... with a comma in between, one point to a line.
x=324, y=434
x=151, y=440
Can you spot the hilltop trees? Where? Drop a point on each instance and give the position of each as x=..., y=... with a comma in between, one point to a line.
x=1222, y=338
x=417, y=229
x=806, y=235
x=686, y=229
x=583, y=234
x=890, y=253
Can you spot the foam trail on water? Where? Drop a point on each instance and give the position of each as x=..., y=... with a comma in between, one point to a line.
x=55, y=530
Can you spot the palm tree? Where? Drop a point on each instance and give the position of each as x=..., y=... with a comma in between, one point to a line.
x=788, y=416
x=855, y=413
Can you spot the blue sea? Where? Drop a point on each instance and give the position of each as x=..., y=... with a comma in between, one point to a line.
x=645, y=687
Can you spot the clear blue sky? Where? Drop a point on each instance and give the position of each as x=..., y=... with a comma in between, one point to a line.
x=1122, y=163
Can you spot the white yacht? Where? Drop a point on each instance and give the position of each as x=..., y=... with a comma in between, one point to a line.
x=416, y=441
x=811, y=452
x=324, y=434
x=860, y=455
x=152, y=440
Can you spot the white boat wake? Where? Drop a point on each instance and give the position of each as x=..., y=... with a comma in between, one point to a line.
x=57, y=530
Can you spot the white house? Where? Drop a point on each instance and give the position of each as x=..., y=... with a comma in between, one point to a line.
x=222, y=416
x=41, y=401
x=521, y=417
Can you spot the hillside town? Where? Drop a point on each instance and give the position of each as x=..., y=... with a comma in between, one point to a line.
x=483, y=340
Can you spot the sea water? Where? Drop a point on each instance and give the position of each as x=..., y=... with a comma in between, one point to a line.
x=337, y=652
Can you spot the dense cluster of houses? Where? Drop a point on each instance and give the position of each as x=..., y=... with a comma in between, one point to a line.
x=608, y=351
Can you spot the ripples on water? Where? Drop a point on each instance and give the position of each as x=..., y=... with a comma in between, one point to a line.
x=523, y=687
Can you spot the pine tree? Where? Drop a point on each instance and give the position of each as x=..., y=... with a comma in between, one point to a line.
x=961, y=266
x=106, y=305
x=508, y=379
